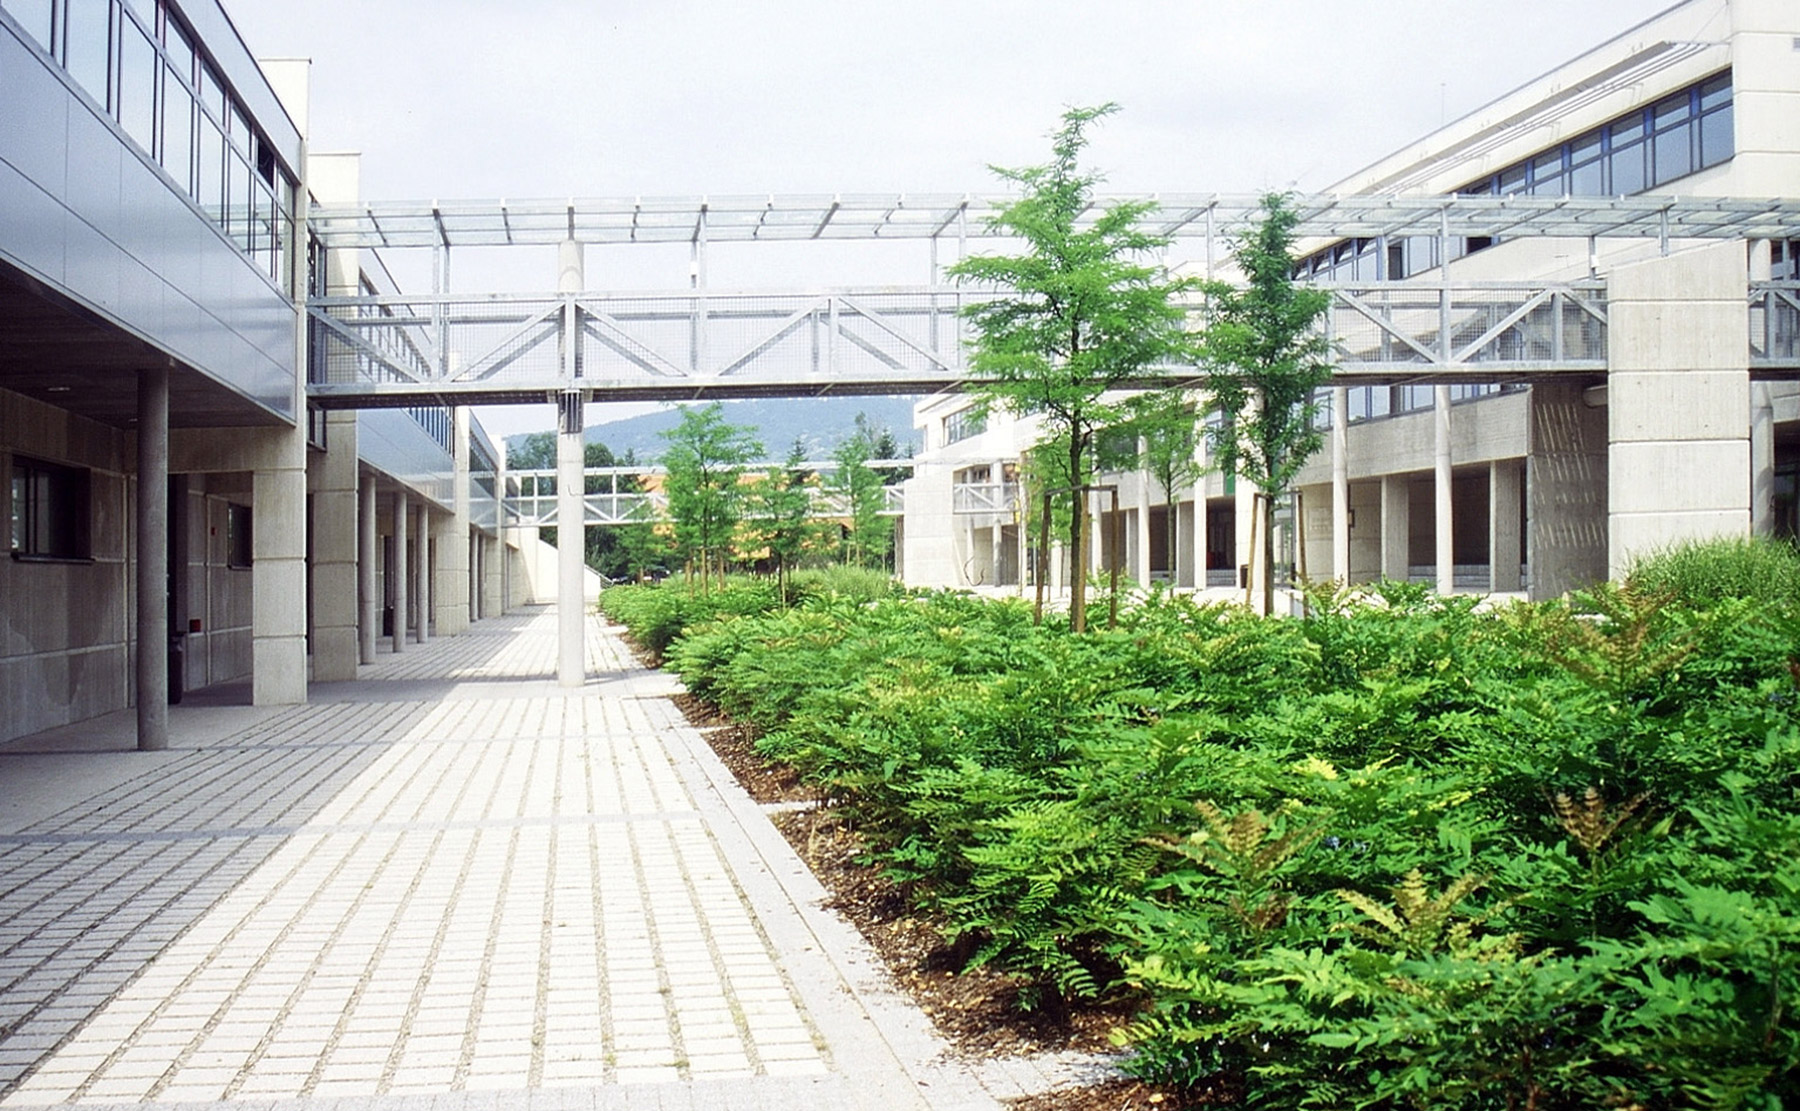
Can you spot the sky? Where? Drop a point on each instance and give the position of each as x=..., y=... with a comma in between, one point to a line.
x=475, y=99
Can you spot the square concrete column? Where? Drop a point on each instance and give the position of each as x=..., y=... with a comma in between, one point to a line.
x=452, y=595
x=335, y=499
x=1396, y=527
x=1340, y=484
x=367, y=564
x=1565, y=485
x=422, y=566
x=400, y=571
x=1762, y=460
x=1198, y=539
x=1141, y=566
x=493, y=568
x=278, y=571
x=1678, y=399
x=1505, y=524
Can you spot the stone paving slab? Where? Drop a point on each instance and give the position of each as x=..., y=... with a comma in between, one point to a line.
x=450, y=885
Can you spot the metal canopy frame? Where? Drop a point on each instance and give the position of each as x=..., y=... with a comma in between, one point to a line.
x=1184, y=216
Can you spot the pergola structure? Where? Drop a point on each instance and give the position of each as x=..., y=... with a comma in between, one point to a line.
x=702, y=343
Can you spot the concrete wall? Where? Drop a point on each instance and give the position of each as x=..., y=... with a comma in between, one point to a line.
x=66, y=629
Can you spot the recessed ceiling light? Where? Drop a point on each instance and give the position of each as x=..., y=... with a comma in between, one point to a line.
x=57, y=389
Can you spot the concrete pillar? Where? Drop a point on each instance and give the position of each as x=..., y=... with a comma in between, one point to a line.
x=452, y=597
x=1396, y=527
x=494, y=569
x=1505, y=524
x=425, y=582
x=1340, y=484
x=152, y=686
x=1248, y=526
x=1141, y=570
x=1762, y=460
x=1198, y=540
x=278, y=572
x=1565, y=484
x=401, y=563
x=367, y=583
x=1678, y=390
x=1443, y=525
x=571, y=669
x=335, y=645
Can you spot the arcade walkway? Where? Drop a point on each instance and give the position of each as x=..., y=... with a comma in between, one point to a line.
x=451, y=884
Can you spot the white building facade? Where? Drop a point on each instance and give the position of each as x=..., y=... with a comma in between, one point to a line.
x=1533, y=483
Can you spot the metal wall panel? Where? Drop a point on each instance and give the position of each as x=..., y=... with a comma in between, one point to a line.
x=84, y=213
x=392, y=442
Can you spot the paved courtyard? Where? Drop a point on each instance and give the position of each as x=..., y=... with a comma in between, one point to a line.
x=450, y=884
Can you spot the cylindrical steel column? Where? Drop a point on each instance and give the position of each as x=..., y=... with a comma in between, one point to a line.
x=153, y=560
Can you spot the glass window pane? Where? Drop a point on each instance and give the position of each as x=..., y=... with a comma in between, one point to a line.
x=1585, y=148
x=240, y=130
x=242, y=200
x=1715, y=92
x=145, y=10
x=34, y=16
x=211, y=174
x=178, y=133
x=88, y=50
x=1715, y=136
x=137, y=86
x=1587, y=180
x=212, y=93
x=1674, y=154
x=179, y=50
x=1627, y=166
x=1671, y=111
x=1512, y=179
x=1628, y=130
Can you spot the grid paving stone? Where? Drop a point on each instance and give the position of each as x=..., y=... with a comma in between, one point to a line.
x=451, y=885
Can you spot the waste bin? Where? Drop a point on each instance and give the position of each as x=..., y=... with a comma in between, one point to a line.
x=177, y=666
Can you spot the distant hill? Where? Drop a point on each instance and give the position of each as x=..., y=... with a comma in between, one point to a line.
x=818, y=422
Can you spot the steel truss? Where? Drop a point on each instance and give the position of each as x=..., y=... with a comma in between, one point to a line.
x=690, y=345
x=530, y=497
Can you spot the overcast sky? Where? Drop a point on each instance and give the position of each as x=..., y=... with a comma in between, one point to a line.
x=470, y=99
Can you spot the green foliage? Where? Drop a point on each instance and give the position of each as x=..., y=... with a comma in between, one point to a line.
x=1701, y=573
x=1083, y=312
x=868, y=539
x=1539, y=857
x=705, y=462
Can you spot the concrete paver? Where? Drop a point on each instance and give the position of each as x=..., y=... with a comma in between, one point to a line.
x=449, y=885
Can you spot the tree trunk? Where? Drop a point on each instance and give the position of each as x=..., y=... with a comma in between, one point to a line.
x=1268, y=553
x=1077, y=549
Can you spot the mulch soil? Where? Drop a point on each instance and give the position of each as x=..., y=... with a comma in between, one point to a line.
x=976, y=1011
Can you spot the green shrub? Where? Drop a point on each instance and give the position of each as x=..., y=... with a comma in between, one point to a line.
x=1703, y=573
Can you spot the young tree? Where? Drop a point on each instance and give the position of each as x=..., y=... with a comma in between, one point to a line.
x=1265, y=363
x=705, y=461
x=780, y=514
x=1163, y=435
x=537, y=452
x=1082, y=312
x=870, y=535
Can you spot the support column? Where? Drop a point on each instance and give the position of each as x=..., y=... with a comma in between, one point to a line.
x=400, y=571
x=368, y=547
x=571, y=670
x=1678, y=390
x=1198, y=540
x=1144, y=562
x=1396, y=527
x=1762, y=460
x=1565, y=482
x=335, y=650
x=1505, y=525
x=1340, y=484
x=1443, y=528
x=422, y=533
x=454, y=601
x=278, y=573
x=152, y=688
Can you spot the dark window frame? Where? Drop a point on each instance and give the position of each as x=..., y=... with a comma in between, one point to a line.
x=50, y=506
x=239, y=536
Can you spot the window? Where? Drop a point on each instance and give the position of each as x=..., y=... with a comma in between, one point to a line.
x=87, y=48
x=49, y=510
x=237, y=535
x=964, y=424
x=35, y=16
x=137, y=86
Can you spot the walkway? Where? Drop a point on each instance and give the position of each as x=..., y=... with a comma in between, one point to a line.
x=451, y=884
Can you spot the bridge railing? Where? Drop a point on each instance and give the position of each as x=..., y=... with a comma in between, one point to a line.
x=692, y=344
x=984, y=497
x=1775, y=325
x=531, y=500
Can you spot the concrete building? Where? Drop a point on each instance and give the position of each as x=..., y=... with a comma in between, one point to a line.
x=1516, y=481
x=179, y=518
